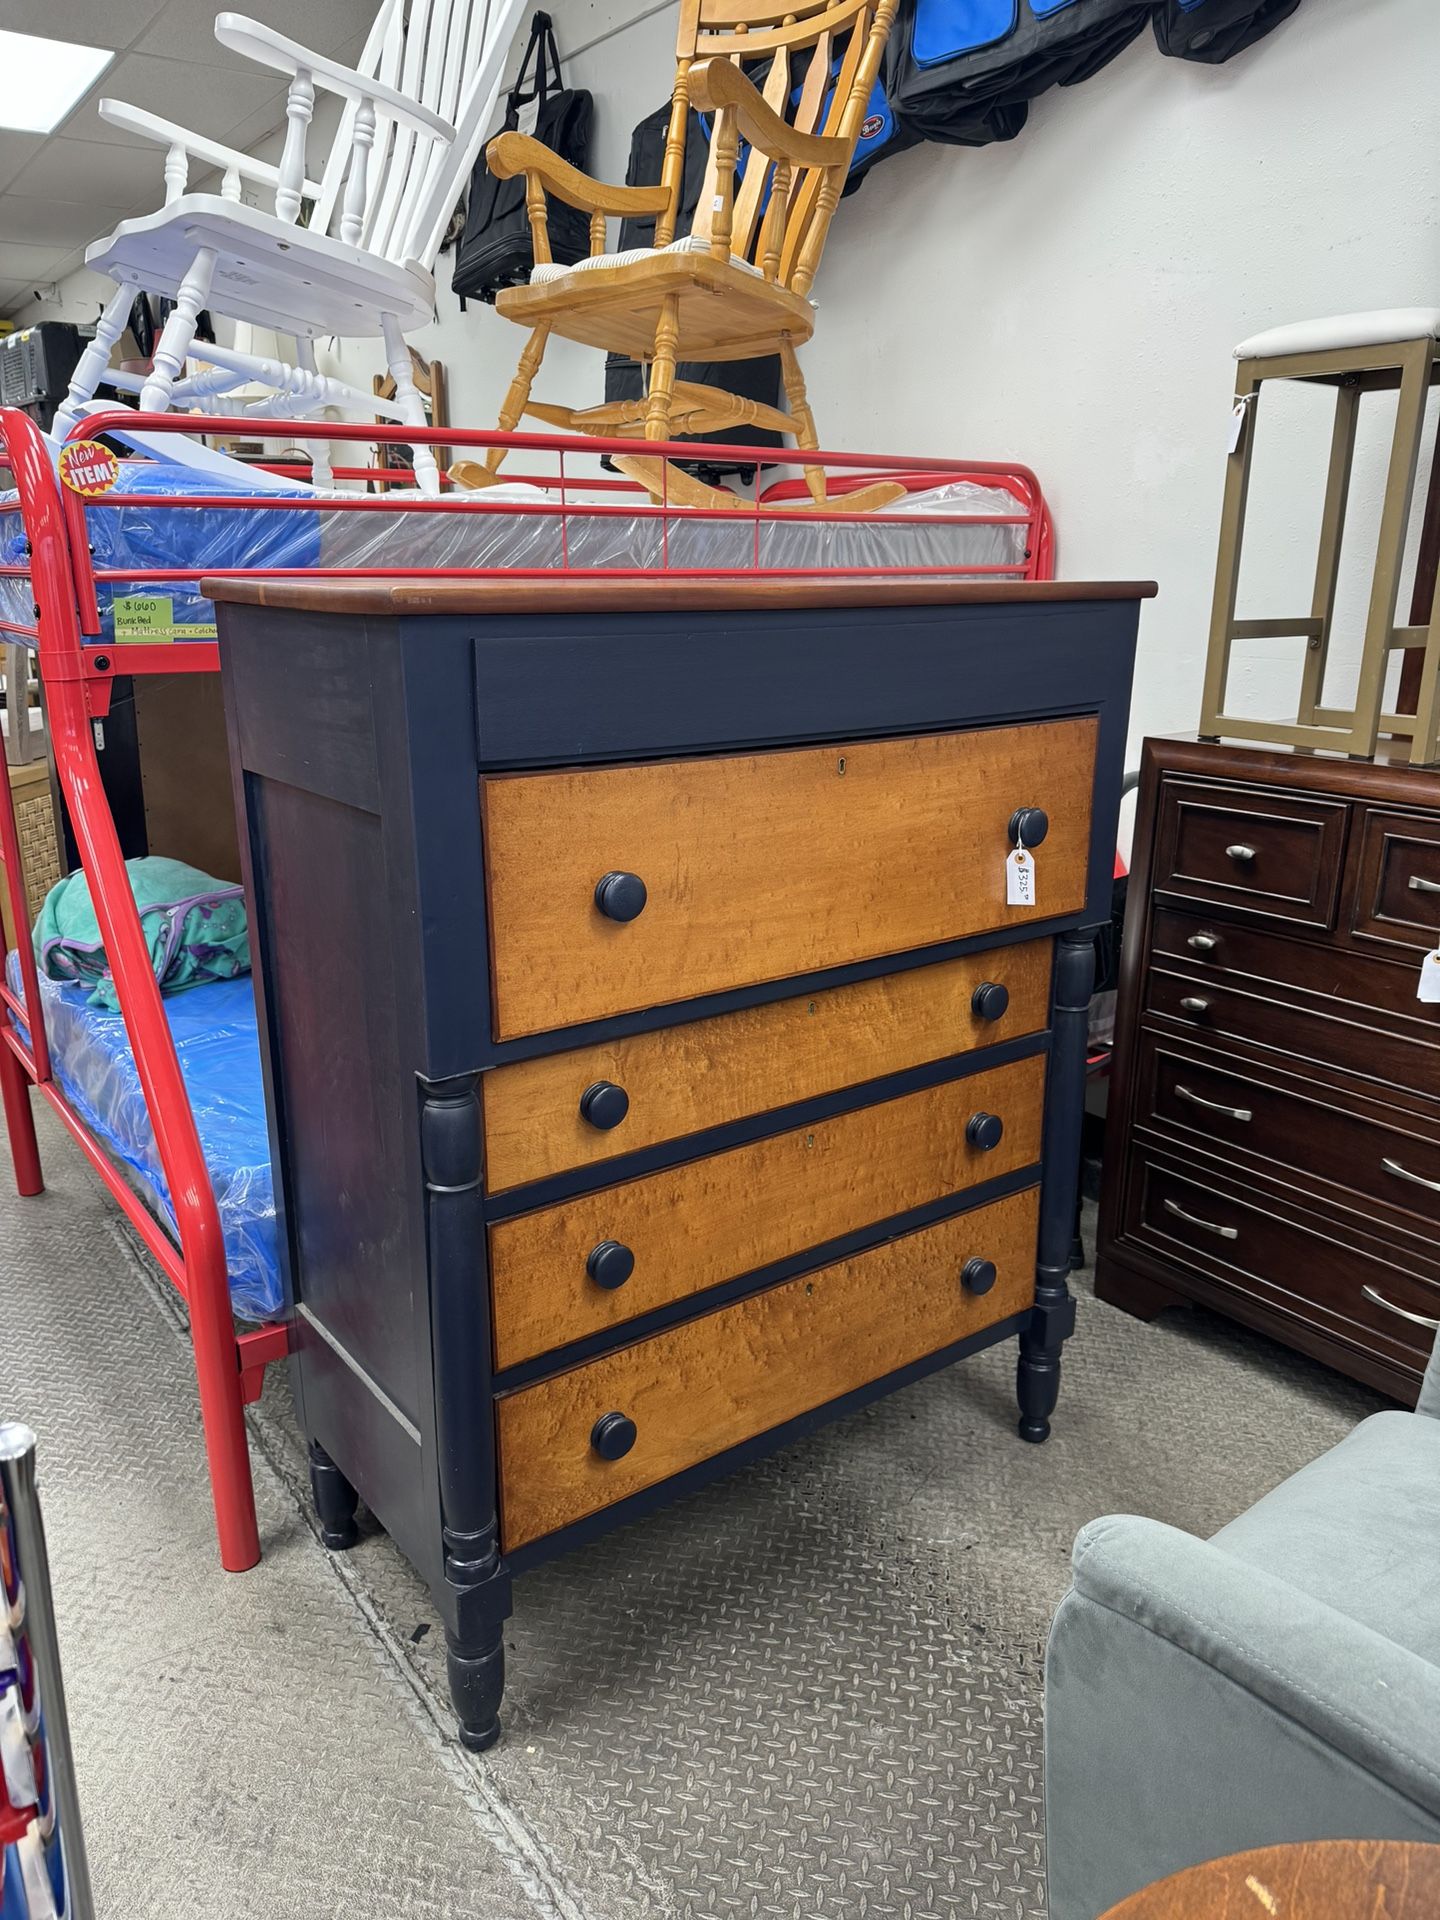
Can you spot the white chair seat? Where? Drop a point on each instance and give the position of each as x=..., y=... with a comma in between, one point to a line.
x=268, y=272
x=551, y=270
x=1390, y=327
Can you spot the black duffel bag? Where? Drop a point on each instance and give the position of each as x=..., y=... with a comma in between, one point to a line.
x=752, y=379
x=963, y=72
x=1216, y=30
x=495, y=249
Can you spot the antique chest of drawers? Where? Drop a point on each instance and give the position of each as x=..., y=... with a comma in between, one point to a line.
x=656, y=1064
x=1273, y=1146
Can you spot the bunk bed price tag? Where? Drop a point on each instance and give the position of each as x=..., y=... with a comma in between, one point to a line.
x=1429, y=988
x=1020, y=878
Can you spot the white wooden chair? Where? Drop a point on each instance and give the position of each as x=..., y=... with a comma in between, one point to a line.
x=416, y=111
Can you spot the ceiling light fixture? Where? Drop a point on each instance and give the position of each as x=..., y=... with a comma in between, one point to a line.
x=44, y=79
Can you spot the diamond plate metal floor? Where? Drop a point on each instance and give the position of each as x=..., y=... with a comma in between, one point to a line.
x=812, y=1690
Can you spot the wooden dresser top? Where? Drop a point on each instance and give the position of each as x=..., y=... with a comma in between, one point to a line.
x=573, y=593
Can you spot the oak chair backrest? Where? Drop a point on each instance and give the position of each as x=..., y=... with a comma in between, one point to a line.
x=824, y=60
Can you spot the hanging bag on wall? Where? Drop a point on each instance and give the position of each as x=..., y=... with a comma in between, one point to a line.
x=495, y=249
x=964, y=71
x=1216, y=30
x=624, y=378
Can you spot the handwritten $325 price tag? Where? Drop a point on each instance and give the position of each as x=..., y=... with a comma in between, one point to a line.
x=1020, y=878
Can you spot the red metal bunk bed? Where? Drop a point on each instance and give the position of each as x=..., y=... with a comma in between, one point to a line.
x=77, y=666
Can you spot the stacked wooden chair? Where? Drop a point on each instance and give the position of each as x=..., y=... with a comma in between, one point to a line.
x=735, y=287
x=350, y=254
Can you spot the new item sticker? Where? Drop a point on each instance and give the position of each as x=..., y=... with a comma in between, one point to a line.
x=88, y=469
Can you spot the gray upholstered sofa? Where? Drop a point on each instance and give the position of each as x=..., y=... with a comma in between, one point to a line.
x=1279, y=1682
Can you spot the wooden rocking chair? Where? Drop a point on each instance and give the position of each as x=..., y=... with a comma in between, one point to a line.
x=737, y=286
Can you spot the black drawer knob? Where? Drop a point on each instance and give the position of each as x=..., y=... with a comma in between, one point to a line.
x=613, y=1435
x=977, y=1275
x=604, y=1105
x=990, y=1000
x=621, y=896
x=610, y=1264
x=984, y=1130
x=1028, y=825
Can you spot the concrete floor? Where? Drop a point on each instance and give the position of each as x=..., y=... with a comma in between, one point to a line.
x=812, y=1690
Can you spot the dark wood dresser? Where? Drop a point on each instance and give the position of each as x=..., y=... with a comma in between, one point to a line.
x=1273, y=1143
x=655, y=1064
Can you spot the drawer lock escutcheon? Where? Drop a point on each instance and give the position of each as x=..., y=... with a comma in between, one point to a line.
x=1403, y=1313
x=1213, y=1106
x=1194, y=1220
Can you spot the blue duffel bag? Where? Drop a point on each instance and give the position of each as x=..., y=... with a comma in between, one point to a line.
x=1216, y=30
x=964, y=71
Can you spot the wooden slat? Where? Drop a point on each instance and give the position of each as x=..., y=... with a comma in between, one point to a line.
x=764, y=865
x=757, y=167
x=732, y=1213
x=717, y=1381
x=715, y=1071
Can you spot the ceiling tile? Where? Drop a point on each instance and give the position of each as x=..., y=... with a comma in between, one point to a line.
x=92, y=170
x=33, y=263
x=15, y=150
x=58, y=223
x=185, y=29
x=115, y=24
x=212, y=98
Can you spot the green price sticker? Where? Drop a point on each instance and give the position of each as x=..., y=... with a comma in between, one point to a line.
x=151, y=617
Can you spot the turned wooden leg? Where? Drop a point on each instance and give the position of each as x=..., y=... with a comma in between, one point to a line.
x=1052, y=1319
x=801, y=417
x=91, y=366
x=407, y=398
x=178, y=332
x=1133, y=1292
x=476, y=1672
x=662, y=369
x=335, y=1500
x=517, y=394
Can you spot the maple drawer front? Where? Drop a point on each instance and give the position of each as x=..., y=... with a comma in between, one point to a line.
x=614, y=889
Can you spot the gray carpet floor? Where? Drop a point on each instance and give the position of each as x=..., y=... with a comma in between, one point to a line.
x=812, y=1690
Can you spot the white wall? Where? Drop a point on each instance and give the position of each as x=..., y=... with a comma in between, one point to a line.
x=1070, y=299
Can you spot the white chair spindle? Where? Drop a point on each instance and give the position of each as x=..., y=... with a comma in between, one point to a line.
x=177, y=172
x=362, y=137
x=299, y=108
x=230, y=184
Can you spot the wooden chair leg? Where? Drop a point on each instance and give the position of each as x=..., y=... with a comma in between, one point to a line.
x=90, y=369
x=517, y=394
x=321, y=464
x=178, y=332
x=662, y=369
x=801, y=417
x=407, y=398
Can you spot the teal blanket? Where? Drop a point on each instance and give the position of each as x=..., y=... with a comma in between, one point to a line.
x=195, y=927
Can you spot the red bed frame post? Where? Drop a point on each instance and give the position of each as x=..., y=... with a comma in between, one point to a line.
x=206, y=1284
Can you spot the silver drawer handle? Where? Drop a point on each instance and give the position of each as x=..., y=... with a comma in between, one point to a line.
x=1203, y=942
x=1241, y=852
x=1193, y=1220
x=1192, y=1003
x=1417, y=885
x=1214, y=1106
x=1404, y=1173
x=1416, y=1319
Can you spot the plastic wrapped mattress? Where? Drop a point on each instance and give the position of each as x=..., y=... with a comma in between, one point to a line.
x=219, y=1052
x=508, y=534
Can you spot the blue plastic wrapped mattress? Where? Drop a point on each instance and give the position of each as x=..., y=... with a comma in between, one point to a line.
x=219, y=1051
x=206, y=538
x=212, y=539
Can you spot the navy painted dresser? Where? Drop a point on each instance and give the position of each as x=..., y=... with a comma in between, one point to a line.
x=656, y=1065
